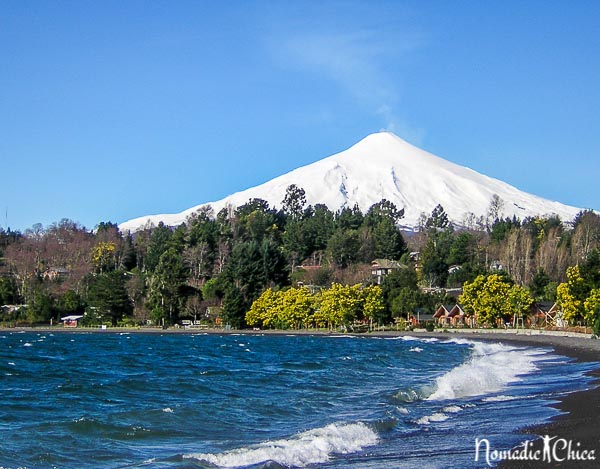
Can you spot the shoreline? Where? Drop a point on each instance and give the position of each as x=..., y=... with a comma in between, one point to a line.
x=580, y=411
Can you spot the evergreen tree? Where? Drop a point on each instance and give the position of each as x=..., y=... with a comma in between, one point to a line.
x=501, y=228
x=435, y=253
x=388, y=240
x=590, y=269
x=433, y=260
x=401, y=291
x=349, y=218
x=438, y=219
x=344, y=246
x=107, y=297
x=70, y=303
x=252, y=268
x=8, y=291
x=383, y=210
x=317, y=227
x=294, y=202
x=255, y=221
x=43, y=307
x=128, y=254
x=159, y=243
x=539, y=283
x=295, y=243
x=404, y=302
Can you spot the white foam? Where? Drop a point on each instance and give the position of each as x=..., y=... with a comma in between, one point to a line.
x=412, y=338
x=490, y=369
x=430, y=340
x=452, y=409
x=168, y=410
x=499, y=398
x=416, y=349
x=436, y=417
x=311, y=447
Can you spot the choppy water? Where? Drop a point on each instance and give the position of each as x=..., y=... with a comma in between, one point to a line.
x=149, y=400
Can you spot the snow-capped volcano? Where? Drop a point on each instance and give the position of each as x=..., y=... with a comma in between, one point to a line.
x=383, y=166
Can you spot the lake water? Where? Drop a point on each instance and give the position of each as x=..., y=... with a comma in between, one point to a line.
x=175, y=400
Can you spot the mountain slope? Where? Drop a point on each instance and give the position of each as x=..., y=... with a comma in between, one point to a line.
x=383, y=166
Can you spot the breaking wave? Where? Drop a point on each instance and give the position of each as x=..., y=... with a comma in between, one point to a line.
x=491, y=368
x=412, y=394
x=310, y=447
x=436, y=417
x=439, y=416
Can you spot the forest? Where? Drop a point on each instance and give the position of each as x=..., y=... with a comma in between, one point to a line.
x=218, y=267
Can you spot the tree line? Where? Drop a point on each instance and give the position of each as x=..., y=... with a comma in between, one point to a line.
x=228, y=260
x=297, y=308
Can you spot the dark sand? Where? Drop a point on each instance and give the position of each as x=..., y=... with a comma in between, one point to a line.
x=579, y=420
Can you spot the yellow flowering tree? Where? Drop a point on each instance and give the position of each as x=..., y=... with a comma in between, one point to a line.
x=339, y=304
x=103, y=255
x=264, y=309
x=592, y=310
x=571, y=295
x=372, y=302
x=297, y=307
x=493, y=297
x=520, y=300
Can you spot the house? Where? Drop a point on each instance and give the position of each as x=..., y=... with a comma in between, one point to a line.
x=380, y=268
x=454, y=316
x=71, y=321
x=544, y=313
x=458, y=316
x=55, y=273
x=442, y=315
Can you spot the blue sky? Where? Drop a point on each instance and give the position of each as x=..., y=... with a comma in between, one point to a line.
x=116, y=109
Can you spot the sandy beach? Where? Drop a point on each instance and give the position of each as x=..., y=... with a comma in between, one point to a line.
x=579, y=418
